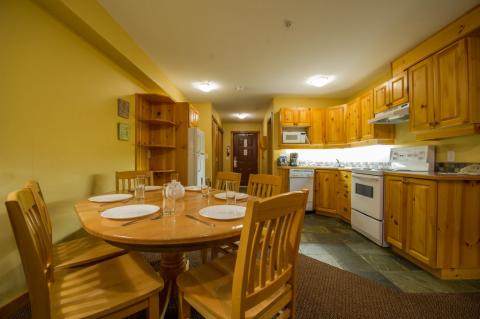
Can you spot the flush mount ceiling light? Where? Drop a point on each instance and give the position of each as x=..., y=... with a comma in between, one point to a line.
x=206, y=86
x=319, y=80
x=241, y=115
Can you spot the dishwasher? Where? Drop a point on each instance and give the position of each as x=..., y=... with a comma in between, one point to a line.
x=300, y=179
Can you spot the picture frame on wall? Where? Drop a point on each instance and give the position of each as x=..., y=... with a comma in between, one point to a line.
x=122, y=131
x=123, y=108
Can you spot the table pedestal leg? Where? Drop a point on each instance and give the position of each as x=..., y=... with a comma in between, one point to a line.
x=171, y=265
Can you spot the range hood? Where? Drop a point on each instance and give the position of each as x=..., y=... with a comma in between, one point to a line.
x=398, y=114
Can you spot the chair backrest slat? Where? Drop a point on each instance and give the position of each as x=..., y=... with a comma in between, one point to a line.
x=222, y=177
x=269, y=242
x=263, y=185
x=42, y=206
x=35, y=248
x=125, y=181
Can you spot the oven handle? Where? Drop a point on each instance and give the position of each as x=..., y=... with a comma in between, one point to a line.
x=372, y=178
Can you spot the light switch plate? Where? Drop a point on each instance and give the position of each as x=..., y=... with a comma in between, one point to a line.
x=451, y=156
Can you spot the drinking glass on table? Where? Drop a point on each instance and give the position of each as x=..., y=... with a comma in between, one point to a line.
x=140, y=187
x=230, y=196
x=169, y=199
x=206, y=186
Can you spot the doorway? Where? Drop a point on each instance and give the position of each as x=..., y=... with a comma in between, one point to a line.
x=245, y=154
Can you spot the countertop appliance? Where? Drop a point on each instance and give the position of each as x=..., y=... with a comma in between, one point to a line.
x=294, y=137
x=367, y=189
x=196, y=156
x=293, y=159
x=300, y=179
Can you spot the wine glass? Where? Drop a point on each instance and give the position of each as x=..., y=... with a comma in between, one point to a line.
x=206, y=186
x=230, y=196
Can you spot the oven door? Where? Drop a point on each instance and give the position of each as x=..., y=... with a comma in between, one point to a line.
x=367, y=195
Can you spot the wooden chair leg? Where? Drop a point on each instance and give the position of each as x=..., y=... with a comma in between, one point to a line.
x=204, y=255
x=153, y=307
x=183, y=307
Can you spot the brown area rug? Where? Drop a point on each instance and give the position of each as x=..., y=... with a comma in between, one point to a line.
x=328, y=292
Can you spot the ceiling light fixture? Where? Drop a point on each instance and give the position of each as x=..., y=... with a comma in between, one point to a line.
x=206, y=86
x=241, y=115
x=319, y=80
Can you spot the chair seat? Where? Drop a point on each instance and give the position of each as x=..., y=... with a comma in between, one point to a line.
x=82, y=251
x=208, y=289
x=103, y=288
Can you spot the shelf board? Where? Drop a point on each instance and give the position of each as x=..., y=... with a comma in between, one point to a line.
x=163, y=171
x=158, y=146
x=159, y=122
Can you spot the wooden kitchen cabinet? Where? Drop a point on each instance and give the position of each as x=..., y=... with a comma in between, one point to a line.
x=317, y=129
x=353, y=121
x=384, y=132
x=394, y=204
x=335, y=125
x=420, y=220
x=444, y=94
x=391, y=93
x=325, y=191
x=343, y=189
x=295, y=117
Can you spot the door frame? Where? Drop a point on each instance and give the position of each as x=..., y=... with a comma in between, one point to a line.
x=233, y=147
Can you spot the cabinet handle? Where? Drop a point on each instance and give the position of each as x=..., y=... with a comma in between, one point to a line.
x=423, y=106
x=431, y=124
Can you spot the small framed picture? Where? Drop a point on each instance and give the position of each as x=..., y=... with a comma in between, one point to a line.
x=123, y=108
x=122, y=131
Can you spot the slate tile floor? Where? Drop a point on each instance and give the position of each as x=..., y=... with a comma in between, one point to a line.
x=332, y=241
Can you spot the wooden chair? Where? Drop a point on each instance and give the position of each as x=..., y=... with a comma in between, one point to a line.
x=222, y=177
x=258, y=281
x=116, y=288
x=263, y=185
x=77, y=252
x=125, y=181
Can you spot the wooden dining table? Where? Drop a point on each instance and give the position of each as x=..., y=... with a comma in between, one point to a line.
x=170, y=235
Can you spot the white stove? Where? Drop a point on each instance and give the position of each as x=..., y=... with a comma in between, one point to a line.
x=367, y=189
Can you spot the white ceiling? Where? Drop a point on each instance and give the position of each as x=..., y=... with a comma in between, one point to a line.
x=245, y=43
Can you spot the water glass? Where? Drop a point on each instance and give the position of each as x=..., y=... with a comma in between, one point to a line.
x=140, y=187
x=169, y=200
x=230, y=195
x=206, y=186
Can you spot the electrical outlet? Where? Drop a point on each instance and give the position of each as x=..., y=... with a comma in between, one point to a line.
x=451, y=156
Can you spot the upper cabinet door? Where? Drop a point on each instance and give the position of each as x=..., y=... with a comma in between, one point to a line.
x=353, y=121
x=303, y=117
x=335, y=125
x=421, y=95
x=451, y=85
x=381, y=97
x=366, y=111
x=398, y=89
x=287, y=117
x=317, y=129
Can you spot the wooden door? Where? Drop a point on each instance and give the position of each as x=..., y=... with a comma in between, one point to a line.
x=302, y=117
x=353, y=121
x=335, y=125
x=421, y=95
x=366, y=112
x=325, y=191
x=245, y=154
x=288, y=116
x=317, y=128
x=421, y=220
x=381, y=98
x=394, y=210
x=451, y=85
x=399, y=89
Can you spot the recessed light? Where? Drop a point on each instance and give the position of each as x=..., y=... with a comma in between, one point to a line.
x=319, y=80
x=206, y=86
x=239, y=88
x=241, y=115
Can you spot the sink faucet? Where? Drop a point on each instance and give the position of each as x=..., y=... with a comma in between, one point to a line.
x=338, y=163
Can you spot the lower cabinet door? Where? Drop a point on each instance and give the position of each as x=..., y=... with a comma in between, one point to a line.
x=325, y=191
x=394, y=211
x=421, y=220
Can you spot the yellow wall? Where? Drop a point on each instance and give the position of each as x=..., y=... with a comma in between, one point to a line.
x=57, y=121
x=227, y=141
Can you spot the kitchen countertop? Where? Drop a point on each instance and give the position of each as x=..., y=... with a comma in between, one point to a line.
x=316, y=167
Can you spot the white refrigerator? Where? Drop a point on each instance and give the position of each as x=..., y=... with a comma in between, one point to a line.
x=196, y=156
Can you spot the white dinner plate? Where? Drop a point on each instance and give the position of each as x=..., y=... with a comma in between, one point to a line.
x=130, y=211
x=223, y=212
x=238, y=196
x=149, y=188
x=193, y=188
x=110, y=198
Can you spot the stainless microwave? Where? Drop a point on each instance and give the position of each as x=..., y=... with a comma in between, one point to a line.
x=294, y=138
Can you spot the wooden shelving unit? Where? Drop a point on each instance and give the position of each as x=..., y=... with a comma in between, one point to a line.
x=161, y=136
